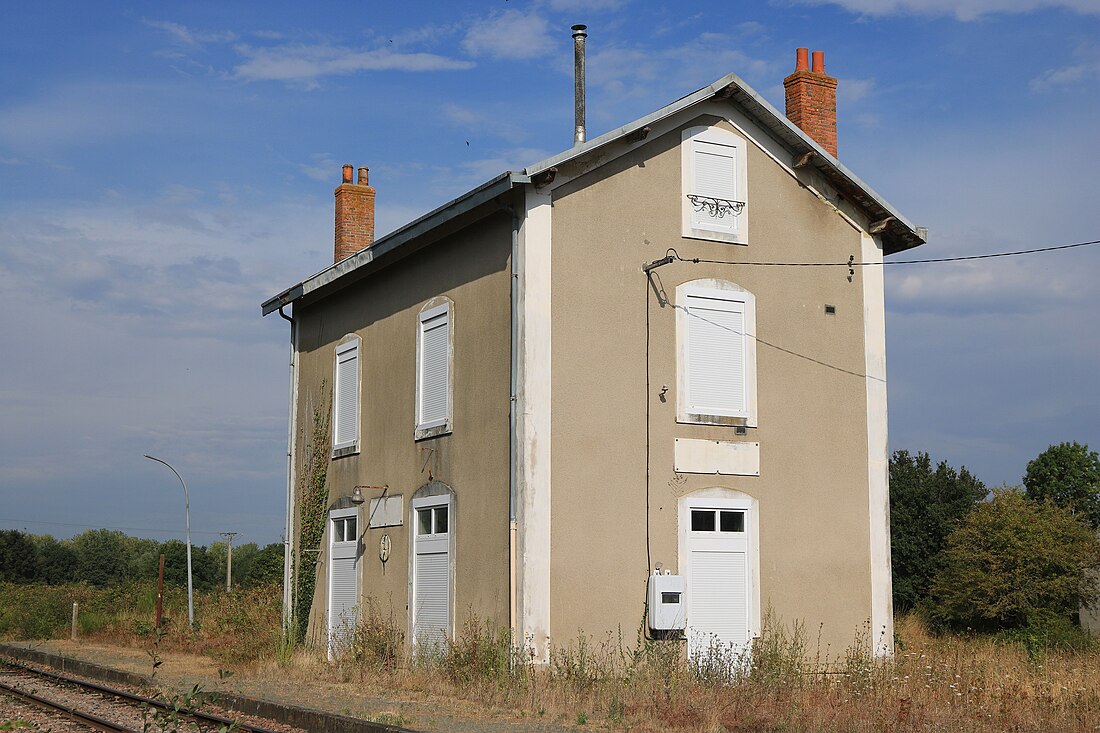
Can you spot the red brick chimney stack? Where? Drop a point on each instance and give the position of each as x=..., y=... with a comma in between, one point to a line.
x=811, y=99
x=354, y=214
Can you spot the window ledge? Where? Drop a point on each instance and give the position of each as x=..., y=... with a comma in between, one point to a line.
x=693, y=419
x=423, y=433
x=347, y=450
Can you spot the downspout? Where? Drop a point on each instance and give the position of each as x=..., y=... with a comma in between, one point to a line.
x=513, y=388
x=288, y=531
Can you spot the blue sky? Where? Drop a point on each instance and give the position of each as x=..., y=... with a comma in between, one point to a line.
x=166, y=167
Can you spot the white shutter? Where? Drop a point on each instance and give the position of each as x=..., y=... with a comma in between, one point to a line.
x=716, y=356
x=431, y=620
x=717, y=602
x=434, y=369
x=342, y=600
x=715, y=176
x=346, y=399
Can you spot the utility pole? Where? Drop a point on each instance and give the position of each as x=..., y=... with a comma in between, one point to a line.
x=229, y=560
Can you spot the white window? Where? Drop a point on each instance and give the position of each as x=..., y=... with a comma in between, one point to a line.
x=715, y=187
x=343, y=578
x=716, y=341
x=345, y=399
x=433, y=369
x=433, y=527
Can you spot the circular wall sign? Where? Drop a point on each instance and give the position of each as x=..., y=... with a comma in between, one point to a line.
x=384, y=548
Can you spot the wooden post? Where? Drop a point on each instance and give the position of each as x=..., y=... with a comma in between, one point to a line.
x=160, y=591
x=76, y=608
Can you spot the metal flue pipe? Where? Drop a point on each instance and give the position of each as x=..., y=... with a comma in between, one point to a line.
x=579, y=35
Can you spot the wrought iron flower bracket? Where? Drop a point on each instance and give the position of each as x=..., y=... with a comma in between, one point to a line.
x=716, y=207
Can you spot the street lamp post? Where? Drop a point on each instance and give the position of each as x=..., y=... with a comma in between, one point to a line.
x=187, y=520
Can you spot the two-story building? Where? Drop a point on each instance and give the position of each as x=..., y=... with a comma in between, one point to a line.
x=649, y=350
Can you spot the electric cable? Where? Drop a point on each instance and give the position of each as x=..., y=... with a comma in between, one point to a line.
x=671, y=252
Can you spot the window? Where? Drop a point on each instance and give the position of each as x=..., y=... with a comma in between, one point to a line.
x=433, y=370
x=431, y=580
x=715, y=188
x=716, y=336
x=345, y=399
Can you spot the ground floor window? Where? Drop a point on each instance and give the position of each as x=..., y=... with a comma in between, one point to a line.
x=432, y=592
x=343, y=576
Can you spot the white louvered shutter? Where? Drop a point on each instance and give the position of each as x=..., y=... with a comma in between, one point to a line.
x=715, y=176
x=432, y=598
x=716, y=356
x=434, y=369
x=346, y=401
x=342, y=598
x=717, y=602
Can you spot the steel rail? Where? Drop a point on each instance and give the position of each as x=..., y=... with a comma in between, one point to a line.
x=81, y=717
x=197, y=715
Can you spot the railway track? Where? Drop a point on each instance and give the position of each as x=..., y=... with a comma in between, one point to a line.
x=97, y=707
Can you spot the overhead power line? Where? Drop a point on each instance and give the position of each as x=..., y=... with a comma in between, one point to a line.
x=672, y=255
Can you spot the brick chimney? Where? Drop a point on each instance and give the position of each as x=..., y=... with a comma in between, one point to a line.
x=811, y=99
x=354, y=214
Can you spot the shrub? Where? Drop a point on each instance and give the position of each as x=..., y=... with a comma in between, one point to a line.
x=1010, y=560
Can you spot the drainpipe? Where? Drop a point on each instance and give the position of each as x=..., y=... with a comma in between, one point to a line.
x=513, y=388
x=288, y=531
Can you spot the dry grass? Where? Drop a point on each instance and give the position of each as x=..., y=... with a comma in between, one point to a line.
x=934, y=683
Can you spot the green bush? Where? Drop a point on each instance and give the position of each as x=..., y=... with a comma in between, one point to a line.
x=1011, y=561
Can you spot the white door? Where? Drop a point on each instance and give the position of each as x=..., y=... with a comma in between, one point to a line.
x=343, y=577
x=719, y=580
x=431, y=572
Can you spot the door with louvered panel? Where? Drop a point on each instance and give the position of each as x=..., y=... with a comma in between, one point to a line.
x=431, y=581
x=718, y=583
x=343, y=578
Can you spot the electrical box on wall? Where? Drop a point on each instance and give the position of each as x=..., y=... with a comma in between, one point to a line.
x=667, y=610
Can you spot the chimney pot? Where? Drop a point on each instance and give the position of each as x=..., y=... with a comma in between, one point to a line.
x=802, y=59
x=363, y=170
x=819, y=62
x=347, y=172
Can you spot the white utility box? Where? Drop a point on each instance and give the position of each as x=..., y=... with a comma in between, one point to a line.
x=667, y=611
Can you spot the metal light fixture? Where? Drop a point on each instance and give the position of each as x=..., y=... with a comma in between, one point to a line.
x=187, y=520
x=357, y=496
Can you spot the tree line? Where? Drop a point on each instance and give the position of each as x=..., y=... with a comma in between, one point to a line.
x=1015, y=560
x=102, y=557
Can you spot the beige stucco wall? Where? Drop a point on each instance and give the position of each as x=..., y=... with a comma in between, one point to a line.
x=813, y=483
x=472, y=268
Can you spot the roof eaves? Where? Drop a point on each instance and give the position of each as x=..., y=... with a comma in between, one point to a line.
x=394, y=240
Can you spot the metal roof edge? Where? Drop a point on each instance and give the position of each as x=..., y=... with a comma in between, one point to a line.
x=415, y=228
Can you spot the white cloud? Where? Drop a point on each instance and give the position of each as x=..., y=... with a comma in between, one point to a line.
x=305, y=64
x=1085, y=70
x=594, y=6
x=189, y=37
x=323, y=167
x=964, y=10
x=484, y=122
x=509, y=34
x=853, y=90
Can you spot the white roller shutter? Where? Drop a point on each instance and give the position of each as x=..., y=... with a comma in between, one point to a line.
x=718, y=607
x=432, y=598
x=716, y=356
x=346, y=396
x=715, y=176
x=434, y=369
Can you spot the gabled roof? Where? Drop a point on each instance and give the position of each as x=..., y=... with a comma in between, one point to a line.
x=898, y=234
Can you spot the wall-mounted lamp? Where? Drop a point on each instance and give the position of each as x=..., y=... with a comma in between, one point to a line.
x=357, y=496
